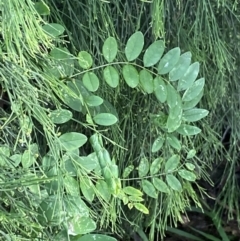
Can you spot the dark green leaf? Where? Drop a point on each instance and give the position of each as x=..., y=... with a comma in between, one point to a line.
x=53, y=29
x=153, y=53
x=181, y=67
x=149, y=189
x=194, y=114
x=105, y=119
x=130, y=75
x=60, y=116
x=172, y=163
x=168, y=61
x=110, y=48
x=188, y=130
x=72, y=140
x=111, y=76
x=173, y=182
x=85, y=60
x=146, y=81
x=134, y=46
x=187, y=175
x=160, y=185
x=160, y=89
x=157, y=144
x=143, y=167
x=189, y=77
x=194, y=90
x=156, y=165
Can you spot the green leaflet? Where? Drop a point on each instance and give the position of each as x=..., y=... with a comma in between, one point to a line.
x=110, y=48
x=85, y=60
x=146, y=81
x=153, y=53
x=149, y=189
x=194, y=114
x=134, y=46
x=181, y=67
x=188, y=130
x=194, y=90
x=172, y=163
x=143, y=167
x=160, y=185
x=111, y=76
x=91, y=81
x=189, y=77
x=160, y=89
x=173, y=182
x=130, y=75
x=169, y=60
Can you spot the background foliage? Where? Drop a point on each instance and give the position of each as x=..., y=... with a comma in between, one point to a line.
x=40, y=71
